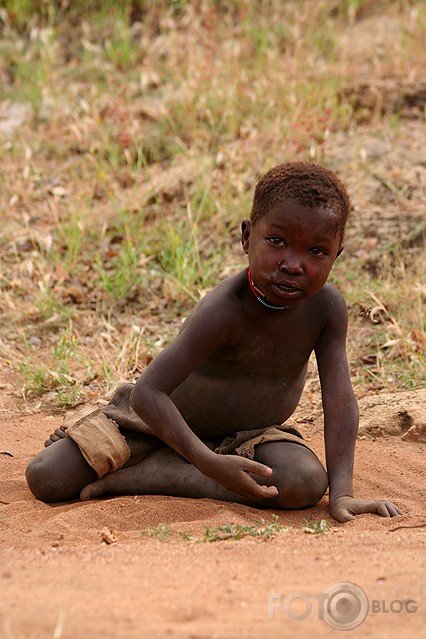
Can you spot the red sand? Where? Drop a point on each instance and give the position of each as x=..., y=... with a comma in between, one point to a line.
x=59, y=580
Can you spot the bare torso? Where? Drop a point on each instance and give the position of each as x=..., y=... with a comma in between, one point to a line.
x=256, y=378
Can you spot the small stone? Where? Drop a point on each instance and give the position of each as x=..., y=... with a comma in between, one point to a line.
x=108, y=536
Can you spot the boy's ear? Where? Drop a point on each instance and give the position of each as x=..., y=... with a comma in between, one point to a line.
x=245, y=235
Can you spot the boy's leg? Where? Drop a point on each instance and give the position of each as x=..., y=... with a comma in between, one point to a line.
x=59, y=471
x=300, y=477
x=297, y=473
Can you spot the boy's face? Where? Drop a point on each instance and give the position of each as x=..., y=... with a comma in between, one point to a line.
x=291, y=250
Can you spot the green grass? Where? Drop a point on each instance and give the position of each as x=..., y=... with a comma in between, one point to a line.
x=389, y=310
x=316, y=527
x=162, y=532
x=117, y=104
x=50, y=308
x=120, y=279
x=259, y=529
x=181, y=259
x=57, y=375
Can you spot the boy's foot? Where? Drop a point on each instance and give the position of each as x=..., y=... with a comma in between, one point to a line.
x=150, y=476
x=56, y=436
x=102, y=486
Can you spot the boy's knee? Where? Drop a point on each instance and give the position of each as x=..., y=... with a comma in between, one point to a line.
x=302, y=487
x=39, y=480
x=59, y=472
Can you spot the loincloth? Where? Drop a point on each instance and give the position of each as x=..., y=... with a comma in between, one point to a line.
x=244, y=442
x=98, y=438
x=96, y=431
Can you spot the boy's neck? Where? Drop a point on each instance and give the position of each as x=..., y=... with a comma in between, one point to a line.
x=260, y=295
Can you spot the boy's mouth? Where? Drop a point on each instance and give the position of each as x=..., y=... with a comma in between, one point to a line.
x=286, y=291
x=287, y=288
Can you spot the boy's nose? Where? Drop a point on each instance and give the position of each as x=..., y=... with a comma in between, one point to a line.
x=291, y=265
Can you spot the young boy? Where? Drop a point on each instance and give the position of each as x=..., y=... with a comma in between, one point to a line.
x=218, y=395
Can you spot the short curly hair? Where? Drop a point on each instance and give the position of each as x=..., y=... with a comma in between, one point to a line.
x=308, y=183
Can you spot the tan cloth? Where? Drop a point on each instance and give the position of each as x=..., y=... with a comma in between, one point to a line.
x=272, y=434
x=98, y=438
x=244, y=441
x=96, y=431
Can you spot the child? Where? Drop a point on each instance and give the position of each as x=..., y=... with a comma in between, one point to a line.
x=205, y=418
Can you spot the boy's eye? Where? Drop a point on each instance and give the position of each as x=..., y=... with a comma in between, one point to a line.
x=315, y=250
x=276, y=241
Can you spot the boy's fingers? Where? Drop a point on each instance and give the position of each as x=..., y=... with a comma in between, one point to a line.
x=382, y=510
x=269, y=491
x=258, y=491
x=263, y=492
x=393, y=510
x=259, y=469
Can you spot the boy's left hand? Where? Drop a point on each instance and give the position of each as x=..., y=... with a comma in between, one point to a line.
x=344, y=508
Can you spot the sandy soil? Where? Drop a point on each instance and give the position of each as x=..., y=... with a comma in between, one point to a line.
x=58, y=579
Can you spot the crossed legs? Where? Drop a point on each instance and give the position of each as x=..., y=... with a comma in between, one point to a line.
x=59, y=473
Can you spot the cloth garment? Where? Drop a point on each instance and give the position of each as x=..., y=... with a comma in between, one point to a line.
x=98, y=438
x=96, y=431
x=243, y=442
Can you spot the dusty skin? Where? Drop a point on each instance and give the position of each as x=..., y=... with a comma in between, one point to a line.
x=56, y=573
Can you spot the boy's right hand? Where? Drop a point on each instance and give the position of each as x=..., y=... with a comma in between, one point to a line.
x=234, y=473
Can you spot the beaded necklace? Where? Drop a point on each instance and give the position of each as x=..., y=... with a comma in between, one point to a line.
x=260, y=295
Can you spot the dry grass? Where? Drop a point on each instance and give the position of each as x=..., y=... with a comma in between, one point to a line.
x=132, y=137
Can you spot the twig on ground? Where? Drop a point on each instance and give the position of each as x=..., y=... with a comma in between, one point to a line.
x=408, y=526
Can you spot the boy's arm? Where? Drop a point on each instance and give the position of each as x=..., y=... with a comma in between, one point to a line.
x=341, y=417
x=208, y=328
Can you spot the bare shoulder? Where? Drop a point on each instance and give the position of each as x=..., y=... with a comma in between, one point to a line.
x=218, y=310
x=212, y=324
x=332, y=340
x=332, y=306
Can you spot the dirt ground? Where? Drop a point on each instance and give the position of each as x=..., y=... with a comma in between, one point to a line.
x=59, y=579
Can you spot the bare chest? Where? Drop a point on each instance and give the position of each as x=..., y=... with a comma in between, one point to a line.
x=273, y=350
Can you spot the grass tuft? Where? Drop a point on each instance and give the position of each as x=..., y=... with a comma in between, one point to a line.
x=162, y=532
x=259, y=529
x=316, y=527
